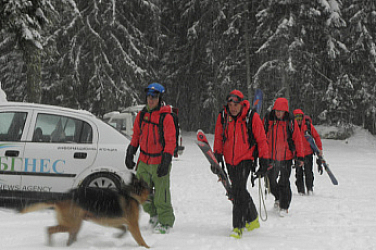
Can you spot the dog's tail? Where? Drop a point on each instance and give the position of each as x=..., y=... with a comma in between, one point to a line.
x=37, y=206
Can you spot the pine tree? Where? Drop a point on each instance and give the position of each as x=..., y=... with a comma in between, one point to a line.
x=207, y=56
x=299, y=57
x=22, y=23
x=360, y=37
x=104, y=54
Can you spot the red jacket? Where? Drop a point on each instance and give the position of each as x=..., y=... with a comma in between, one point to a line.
x=307, y=150
x=277, y=135
x=148, y=137
x=277, y=140
x=236, y=148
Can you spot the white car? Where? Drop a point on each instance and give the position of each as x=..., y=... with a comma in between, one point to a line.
x=123, y=121
x=46, y=150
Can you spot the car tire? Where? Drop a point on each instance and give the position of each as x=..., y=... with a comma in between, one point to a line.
x=102, y=180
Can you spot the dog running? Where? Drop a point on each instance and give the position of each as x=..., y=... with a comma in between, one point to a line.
x=108, y=207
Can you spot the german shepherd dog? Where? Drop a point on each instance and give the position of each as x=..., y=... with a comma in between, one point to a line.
x=104, y=206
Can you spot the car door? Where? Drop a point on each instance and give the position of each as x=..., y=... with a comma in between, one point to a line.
x=12, y=143
x=59, y=148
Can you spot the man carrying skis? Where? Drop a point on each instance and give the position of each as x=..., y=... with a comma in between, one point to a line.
x=232, y=141
x=154, y=163
x=304, y=127
x=284, y=143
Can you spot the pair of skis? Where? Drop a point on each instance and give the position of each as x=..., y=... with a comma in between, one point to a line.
x=315, y=149
x=205, y=147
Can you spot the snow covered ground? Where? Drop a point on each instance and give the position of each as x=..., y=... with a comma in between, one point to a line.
x=335, y=217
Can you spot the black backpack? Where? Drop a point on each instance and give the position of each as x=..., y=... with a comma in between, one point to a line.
x=174, y=115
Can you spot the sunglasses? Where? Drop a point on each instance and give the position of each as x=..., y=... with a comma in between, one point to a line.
x=299, y=117
x=153, y=95
x=234, y=99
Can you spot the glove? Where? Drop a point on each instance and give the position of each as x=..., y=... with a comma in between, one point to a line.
x=214, y=169
x=219, y=159
x=265, y=166
x=129, y=157
x=319, y=166
x=163, y=167
x=299, y=161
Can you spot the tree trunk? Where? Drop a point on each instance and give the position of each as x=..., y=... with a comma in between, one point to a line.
x=33, y=74
x=285, y=84
x=247, y=55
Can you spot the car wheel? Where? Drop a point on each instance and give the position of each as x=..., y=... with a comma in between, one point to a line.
x=102, y=181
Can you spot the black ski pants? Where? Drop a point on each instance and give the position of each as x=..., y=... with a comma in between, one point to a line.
x=244, y=210
x=279, y=178
x=307, y=172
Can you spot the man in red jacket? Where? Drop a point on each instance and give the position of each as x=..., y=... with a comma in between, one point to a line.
x=232, y=141
x=307, y=169
x=154, y=163
x=284, y=143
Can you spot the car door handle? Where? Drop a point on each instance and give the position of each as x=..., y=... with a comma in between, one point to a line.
x=12, y=153
x=80, y=155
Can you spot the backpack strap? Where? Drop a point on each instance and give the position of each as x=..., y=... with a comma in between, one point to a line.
x=224, y=124
x=308, y=124
x=248, y=121
x=251, y=138
x=289, y=128
x=266, y=121
x=142, y=114
x=176, y=126
x=290, y=131
x=160, y=128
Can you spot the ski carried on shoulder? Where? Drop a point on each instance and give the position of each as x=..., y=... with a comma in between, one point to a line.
x=257, y=101
x=205, y=147
x=315, y=149
x=257, y=107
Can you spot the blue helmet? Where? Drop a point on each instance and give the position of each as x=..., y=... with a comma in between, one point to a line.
x=154, y=88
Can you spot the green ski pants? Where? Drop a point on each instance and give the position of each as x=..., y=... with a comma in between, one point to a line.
x=160, y=200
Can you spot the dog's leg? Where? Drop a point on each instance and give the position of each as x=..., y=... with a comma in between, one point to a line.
x=123, y=231
x=135, y=231
x=72, y=237
x=134, y=228
x=55, y=229
x=70, y=216
x=73, y=232
x=131, y=219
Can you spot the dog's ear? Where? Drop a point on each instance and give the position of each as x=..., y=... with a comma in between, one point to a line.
x=142, y=183
x=138, y=185
x=133, y=177
x=134, y=180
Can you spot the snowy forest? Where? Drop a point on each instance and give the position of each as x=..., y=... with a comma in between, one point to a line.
x=99, y=55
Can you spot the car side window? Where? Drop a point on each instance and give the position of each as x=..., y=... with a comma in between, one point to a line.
x=61, y=129
x=12, y=125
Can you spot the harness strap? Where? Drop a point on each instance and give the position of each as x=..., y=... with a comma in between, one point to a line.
x=151, y=155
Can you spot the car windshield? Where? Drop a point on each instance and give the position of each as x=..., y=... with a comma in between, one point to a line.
x=117, y=130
